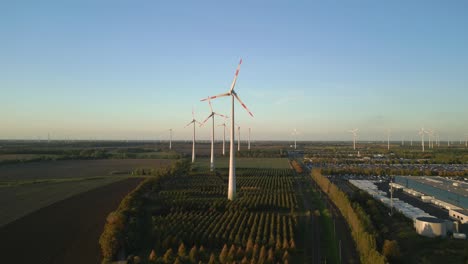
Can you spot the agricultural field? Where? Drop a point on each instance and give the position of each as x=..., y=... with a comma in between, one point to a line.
x=223, y=163
x=22, y=198
x=66, y=231
x=26, y=187
x=75, y=168
x=189, y=217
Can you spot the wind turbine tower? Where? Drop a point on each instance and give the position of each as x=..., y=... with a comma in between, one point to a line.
x=354, y=132
x=224, y=136
x=232, y=158
x=193, y=138
x=421, y=133
x=212, y=115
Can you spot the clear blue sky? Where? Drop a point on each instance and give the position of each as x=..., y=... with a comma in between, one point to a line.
x=132, y=69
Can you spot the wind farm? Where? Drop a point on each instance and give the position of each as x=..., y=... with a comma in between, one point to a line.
x=357, y=152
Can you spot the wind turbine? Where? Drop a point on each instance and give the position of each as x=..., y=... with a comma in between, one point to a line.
x=354, y=132
x=232, y=160
x=430, y=133
x=194, y=121
x=295, y=138
x=421, y=133
x=224, y=136
x=466, y=140
x=212, y=115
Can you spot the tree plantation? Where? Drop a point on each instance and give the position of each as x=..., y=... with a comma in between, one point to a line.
x=183, y=216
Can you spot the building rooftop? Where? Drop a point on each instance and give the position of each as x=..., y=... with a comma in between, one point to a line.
x=430, y=219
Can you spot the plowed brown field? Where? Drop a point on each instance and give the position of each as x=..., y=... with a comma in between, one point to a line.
x=65, y=232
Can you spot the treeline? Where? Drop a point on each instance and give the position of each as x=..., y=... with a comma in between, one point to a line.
x=391, y=171
x=86, y=154
x=355, y=217
x=121, y=230
x=252, y=253
x=262, y=153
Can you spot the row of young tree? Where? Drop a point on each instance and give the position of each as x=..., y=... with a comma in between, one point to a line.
x=120, y=223
x=213, y=229
x=251, y=254
x=259, y=216
x=365, y=241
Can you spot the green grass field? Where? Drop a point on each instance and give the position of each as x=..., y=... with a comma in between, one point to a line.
x=268, y=163
x=23, y=197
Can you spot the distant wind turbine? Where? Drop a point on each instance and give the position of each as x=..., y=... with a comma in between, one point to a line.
x=212, y=115
x=224, y=135
x=194, y=122
x=354, y=132
x=295, y=138
x=232, y=158
x=421, y=133
x=430, y=133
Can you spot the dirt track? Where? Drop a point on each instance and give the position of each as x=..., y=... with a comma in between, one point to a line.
x=65, y=232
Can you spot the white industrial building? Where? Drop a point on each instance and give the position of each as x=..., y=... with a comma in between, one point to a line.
x=406, y=209
x=460, y=215
x=430, y=226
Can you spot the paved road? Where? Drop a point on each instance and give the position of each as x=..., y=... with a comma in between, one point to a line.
x=310, y=225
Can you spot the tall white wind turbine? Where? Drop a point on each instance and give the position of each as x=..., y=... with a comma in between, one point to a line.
x=212, y=115
x=194, y=122
x=421, y=133
x=354, y=132
x=232, y=161
x=466, y=140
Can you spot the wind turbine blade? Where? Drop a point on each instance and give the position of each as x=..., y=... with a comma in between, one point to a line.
x=189, y=123
x=211, y=107
x=206, y=119
x=193, y=113
x=220, y=115
x=242, y=103
x=216, y=96
x=235, y=76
